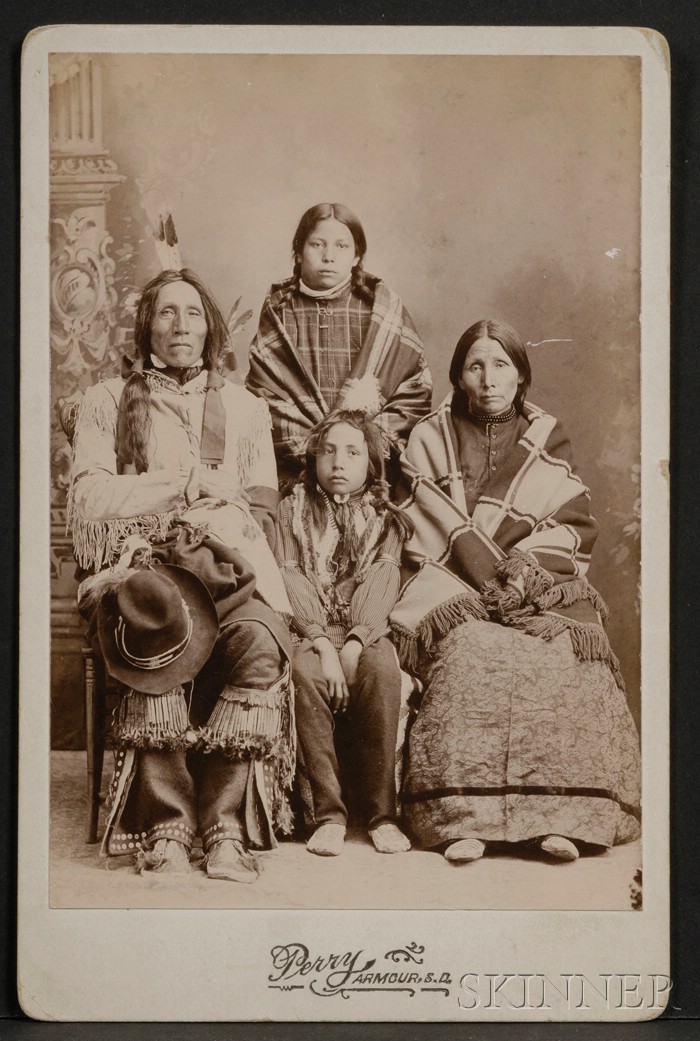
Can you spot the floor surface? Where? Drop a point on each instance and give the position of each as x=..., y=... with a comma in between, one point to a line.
x=360, y=878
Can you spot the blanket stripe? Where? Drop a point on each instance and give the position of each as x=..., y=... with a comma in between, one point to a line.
x=523, y=553
x=391, y=359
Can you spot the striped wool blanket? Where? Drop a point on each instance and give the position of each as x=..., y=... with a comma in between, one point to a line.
x=389, y=379
x=521, y=557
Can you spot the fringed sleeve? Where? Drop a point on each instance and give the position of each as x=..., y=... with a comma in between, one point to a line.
x=256, y=454
x=260, y=469
x=104, y=506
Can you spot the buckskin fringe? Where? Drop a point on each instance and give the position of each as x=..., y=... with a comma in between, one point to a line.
x=258, y=429
x=152, y=721
x=246, y=722
x=433, y=626
x=97, y=409
x=97, y=543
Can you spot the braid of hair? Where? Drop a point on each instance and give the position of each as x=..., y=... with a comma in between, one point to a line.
x=393, y=514
x=290, y=289
x=319, y=514
x=359, y=284
x=134, y=422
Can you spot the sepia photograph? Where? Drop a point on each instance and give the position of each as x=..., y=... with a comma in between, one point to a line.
x=347, y=483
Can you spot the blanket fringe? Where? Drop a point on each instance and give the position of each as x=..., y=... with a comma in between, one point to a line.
x=515, y=563
x=536, y=580
x=567, y=593
x=501, y=600
x=589, y=641
x=432, y=627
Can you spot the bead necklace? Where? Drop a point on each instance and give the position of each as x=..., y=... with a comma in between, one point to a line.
x=485, y=417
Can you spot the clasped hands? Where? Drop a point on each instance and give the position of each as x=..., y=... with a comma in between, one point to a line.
x=205, y=483
x=339, y=669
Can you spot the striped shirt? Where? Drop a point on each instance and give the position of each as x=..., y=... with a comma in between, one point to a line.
x=327, y=335
x=361, y=611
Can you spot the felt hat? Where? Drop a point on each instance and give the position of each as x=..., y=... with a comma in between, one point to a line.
x=159, y=629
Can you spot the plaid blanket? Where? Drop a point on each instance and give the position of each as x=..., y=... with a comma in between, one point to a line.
x=521, y=557
x=389, y=377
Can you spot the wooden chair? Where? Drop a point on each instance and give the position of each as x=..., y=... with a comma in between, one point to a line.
x=95, y=697
x=94, y=682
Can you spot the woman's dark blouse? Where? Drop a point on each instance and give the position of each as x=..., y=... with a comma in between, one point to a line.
x=482, y=447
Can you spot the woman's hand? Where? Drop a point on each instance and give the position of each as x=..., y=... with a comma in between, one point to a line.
x=349, y=658
x=338, y=693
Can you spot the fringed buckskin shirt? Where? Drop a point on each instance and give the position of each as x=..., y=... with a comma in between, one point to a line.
x=107, y=503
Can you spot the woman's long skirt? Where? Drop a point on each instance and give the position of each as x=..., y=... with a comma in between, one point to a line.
x=516, y=738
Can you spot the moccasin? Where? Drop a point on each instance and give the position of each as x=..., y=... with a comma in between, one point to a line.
x=388, y=838
x=328, y=840
x=464, y=850
x=167, y=857
x=559, y=847
x=230, y=860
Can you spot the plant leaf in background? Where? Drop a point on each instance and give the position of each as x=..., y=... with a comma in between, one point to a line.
x=235, y=323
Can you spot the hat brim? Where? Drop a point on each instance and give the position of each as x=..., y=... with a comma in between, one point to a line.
x=205, y=630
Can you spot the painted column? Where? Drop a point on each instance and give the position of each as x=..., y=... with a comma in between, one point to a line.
x=83, y=300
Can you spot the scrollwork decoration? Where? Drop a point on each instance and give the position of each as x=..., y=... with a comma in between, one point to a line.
x=410, y=952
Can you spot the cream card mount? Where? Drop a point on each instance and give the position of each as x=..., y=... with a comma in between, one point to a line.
x=519, y=174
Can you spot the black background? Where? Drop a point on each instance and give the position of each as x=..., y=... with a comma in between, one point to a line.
x=680, y=23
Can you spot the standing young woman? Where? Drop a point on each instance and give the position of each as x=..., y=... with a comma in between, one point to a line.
x=333, y=336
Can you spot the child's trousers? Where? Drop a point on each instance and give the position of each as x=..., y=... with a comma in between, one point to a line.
x=373, y=712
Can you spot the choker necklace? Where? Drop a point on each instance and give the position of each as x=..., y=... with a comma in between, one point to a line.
x=484, y=417
x=325, y=294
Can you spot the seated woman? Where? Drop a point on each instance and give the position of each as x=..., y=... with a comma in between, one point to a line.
x=523, y=734
x=173, y=491
x=333, y=336
x=339, y=545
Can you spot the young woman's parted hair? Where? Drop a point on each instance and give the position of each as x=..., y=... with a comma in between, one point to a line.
x=336, y=211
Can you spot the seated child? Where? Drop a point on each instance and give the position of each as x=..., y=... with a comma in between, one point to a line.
x=339, y=543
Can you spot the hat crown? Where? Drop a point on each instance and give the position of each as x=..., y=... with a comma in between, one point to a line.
x=159, y=629
x=153, y=618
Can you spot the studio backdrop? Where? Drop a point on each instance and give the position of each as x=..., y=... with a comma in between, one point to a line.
x=488, y=187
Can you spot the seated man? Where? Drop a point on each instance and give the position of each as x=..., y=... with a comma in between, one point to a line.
x=173, y=492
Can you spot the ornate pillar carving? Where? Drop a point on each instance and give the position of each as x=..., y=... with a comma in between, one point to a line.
x=83, y=300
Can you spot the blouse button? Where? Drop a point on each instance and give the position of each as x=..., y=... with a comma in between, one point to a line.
x=493, y=467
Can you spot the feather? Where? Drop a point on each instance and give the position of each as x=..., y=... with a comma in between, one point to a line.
x=362, y=395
